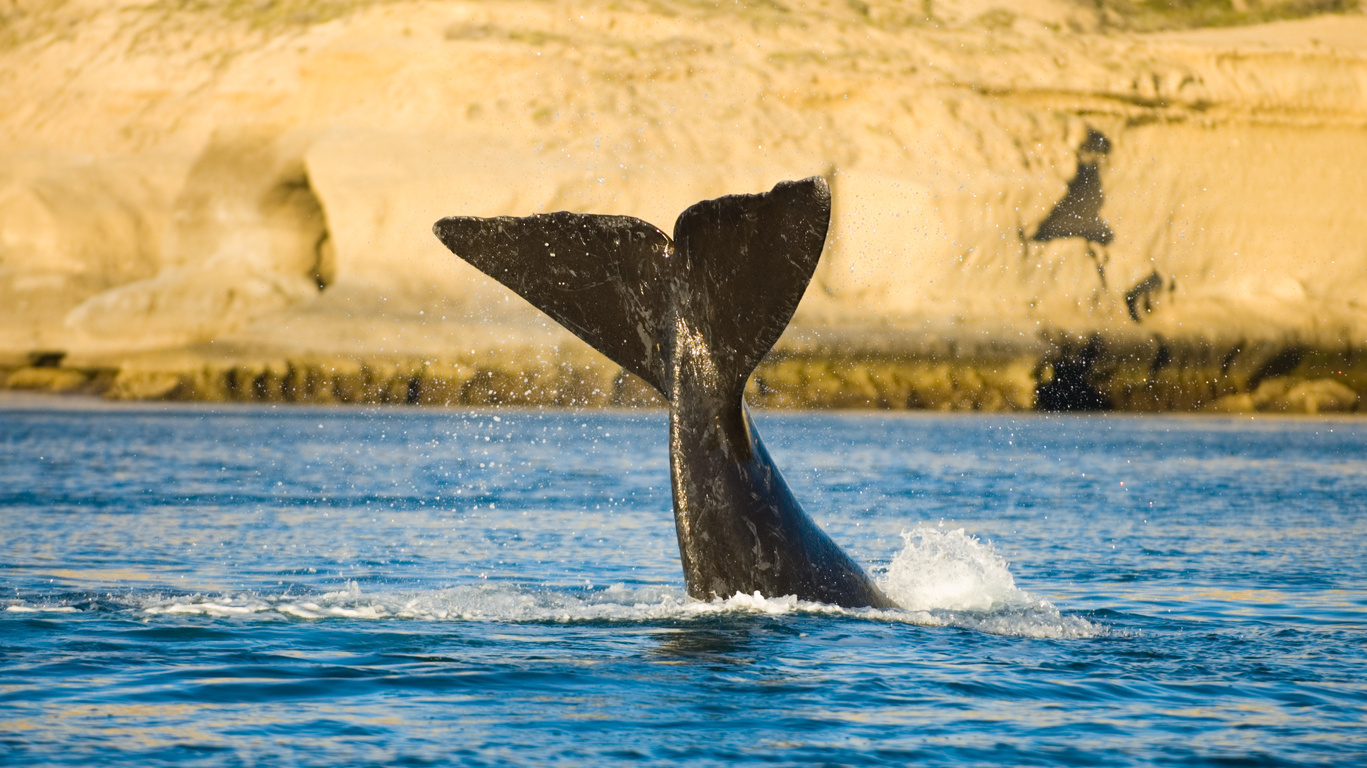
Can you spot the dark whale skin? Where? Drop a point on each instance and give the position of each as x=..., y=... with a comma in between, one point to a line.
x=693, y=316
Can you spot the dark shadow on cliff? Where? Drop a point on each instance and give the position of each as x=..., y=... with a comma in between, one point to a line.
x=1280, y=364
x=1078, y=214
x=1140, y=298
x=1067, y=388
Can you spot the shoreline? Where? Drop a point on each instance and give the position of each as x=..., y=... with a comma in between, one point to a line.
x=1067, y=374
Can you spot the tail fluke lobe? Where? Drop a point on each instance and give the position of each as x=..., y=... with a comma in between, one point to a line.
x=599, y=276
x=732, y=277
x=743, y=263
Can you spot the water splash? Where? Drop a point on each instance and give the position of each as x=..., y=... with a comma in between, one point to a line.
x=950, y=570
x=954, y=579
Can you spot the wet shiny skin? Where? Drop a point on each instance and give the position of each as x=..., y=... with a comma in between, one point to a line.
x=693, y=317
x=345, y=587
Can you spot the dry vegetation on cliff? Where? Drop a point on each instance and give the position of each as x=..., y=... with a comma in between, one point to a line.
x=1155, y=15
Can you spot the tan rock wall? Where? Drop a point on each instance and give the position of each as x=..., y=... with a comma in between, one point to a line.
x=265, y=182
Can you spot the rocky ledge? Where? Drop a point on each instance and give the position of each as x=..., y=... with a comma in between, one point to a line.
x=1061, y=374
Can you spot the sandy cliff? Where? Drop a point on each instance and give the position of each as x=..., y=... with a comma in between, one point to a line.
x=1034, y=206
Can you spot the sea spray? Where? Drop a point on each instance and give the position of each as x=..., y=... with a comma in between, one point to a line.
x=952, y=578
x=950, y=570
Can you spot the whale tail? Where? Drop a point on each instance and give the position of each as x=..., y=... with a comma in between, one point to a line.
x=733, y=275
x=693, y=316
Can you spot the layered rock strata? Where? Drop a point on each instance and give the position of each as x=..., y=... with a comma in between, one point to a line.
x=1034, y=207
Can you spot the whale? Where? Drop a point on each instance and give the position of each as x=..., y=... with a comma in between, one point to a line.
x=693, y=315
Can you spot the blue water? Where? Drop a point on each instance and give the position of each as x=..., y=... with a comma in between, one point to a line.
x=328, y=587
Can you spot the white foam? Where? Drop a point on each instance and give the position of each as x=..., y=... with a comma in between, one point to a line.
x=956, y=580
x=940, y=578
x=21, y=608
x=482, y=602
x=996, y=606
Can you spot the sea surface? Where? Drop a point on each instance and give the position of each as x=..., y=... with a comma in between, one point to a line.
x=261, y=586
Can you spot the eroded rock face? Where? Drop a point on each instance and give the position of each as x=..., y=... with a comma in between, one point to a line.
x=1002, y=177
x=246, y=236
x=70, y=228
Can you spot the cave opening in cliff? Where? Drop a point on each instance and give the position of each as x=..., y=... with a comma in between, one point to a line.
x=294, y=206
x=46, y=358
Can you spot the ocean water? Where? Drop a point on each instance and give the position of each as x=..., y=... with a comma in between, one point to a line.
x=325, y=587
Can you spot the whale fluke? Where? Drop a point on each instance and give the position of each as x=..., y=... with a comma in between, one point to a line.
x=693, y=316
x=599, y=276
